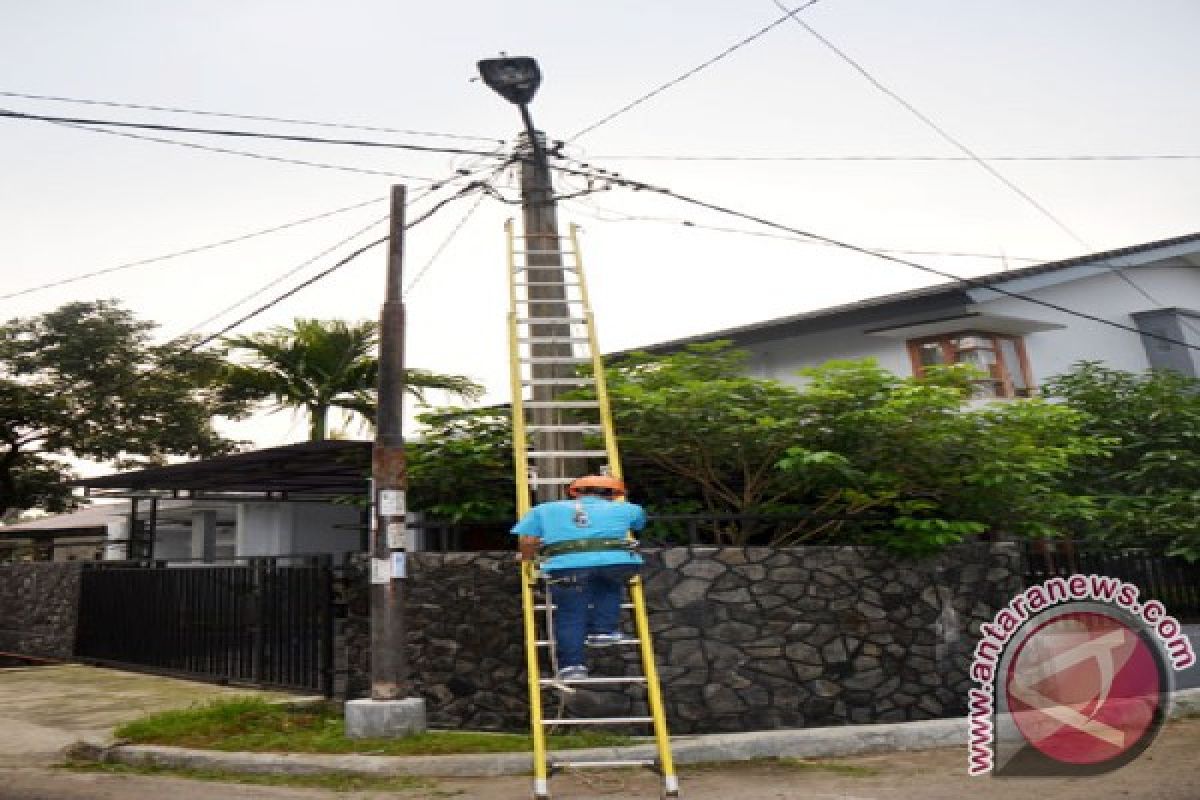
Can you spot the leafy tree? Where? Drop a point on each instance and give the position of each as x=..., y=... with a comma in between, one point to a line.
x=1147, y=481
x=697, y=435
x=318, y=365
x=461, y=467
x=869, y=456
x=87, y=381
x=937, y=469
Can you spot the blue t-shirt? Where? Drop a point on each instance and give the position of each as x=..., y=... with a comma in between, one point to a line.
x=562, y=521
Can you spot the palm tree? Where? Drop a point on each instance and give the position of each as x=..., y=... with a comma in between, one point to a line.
x=322, y=364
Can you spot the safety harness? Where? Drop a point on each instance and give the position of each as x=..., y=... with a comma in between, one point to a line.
x=586, y=546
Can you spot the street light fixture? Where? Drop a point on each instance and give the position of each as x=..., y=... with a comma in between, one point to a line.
x=517, y=80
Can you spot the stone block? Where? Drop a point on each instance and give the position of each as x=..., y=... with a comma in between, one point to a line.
x=388, y=719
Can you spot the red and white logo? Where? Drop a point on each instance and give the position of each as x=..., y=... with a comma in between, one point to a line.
x=1086, y=688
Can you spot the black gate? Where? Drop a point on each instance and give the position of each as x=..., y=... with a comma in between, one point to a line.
x=262, y=621
x=1172, y=581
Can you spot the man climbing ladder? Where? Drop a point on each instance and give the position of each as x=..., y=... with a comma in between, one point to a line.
x=576, y=554
x=588, y=558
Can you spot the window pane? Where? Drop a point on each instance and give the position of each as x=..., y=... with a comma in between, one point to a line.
x=931, y=354
x=1008, y=348
x=972, y=342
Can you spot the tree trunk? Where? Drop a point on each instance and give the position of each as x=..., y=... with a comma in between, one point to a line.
x=316, y=416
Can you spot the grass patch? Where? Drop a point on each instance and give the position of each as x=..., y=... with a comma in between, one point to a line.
x=332, y=781
x=252, y=724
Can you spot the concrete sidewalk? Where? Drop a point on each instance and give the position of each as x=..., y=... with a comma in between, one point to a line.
x=725, y=747
x=46, y=709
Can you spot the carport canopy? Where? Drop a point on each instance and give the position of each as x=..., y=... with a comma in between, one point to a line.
x=308, y=470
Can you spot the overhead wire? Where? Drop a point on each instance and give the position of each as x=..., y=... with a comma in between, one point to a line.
x=963, y=148
x=191, y=250
x=331, y=269
x=317, y=257
x=970, y=283
x=247, y=117
x=196, y=345
x=242, y=134
x=244, y=153
x=728, y=51
x=901, y=158
x=687, y=223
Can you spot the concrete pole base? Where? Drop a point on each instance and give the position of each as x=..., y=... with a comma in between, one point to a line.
x=390, y=719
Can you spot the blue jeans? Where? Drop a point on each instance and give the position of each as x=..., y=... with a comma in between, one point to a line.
x=586, y=600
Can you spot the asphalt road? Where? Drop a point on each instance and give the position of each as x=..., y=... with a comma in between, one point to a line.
x=1169, y=770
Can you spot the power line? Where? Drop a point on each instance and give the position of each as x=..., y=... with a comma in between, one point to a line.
x=281, y=278
x=309, y=261
x=244, y=153
x=445, y=243
x=972, y=155
x=681, y=78
x=896, y=158
x=330, y=270
x=249, y=117
x=970, y=283
x=191, y=250
x=938, y=129
x=686, y=223
x=281, y=137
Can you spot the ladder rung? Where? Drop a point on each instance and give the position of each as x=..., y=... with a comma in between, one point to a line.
x=551, y=481
x=555, y=360
x=568, y=454
x=560, y=404
x=542, y=606
x=551, y=320
x=593, y=681
x=557, y=381
x=553, y=340
x=565, y=429
x=599, y=721
x=640, y=762
x=543, y=252
x=546, y=283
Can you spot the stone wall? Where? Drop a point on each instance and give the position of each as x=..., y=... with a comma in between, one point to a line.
x=746, y=638
x=39, y=606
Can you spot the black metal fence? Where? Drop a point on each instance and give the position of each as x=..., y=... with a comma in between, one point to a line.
x=260, y=621
x=1172, y=581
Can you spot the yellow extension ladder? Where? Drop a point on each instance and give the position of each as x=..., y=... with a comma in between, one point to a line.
x=552, y=334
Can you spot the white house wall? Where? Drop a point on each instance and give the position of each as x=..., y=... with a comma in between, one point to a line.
x=260, y=530
x=782, y=358
x=324, y=528
x=1050, y=353
x=1106, y=296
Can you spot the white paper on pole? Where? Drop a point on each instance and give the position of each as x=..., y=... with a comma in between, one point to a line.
x=399, y=564
x=391, y=502
x=396, y=536
x=381, y=570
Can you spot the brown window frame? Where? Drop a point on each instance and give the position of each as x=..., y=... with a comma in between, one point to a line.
x=1001, y=380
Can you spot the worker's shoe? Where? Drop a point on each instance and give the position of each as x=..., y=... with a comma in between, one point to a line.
x=608, y=639
x=572, y=673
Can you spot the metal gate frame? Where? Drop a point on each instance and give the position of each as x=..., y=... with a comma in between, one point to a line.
x=265, y=622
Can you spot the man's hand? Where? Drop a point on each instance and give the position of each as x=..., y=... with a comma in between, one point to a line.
x=527, y=548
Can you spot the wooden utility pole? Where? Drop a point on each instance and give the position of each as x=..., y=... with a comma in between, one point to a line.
x=540, y=223
x=389, y=662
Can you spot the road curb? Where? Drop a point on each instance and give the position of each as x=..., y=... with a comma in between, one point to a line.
x=796, y=743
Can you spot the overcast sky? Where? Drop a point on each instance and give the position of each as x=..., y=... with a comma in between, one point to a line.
x=1019, y=78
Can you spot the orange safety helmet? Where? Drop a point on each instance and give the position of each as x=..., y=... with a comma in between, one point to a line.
x=605, y=485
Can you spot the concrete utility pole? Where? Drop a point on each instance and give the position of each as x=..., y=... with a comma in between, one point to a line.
x=540, y=224
x=388, y=712
x=517, y=81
